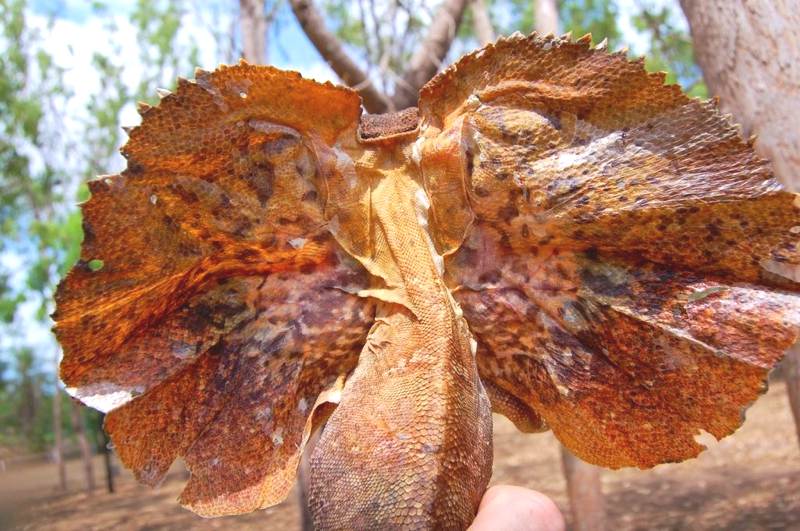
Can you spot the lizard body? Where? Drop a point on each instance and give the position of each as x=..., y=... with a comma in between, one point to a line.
x=272, y=257
x=415, y=395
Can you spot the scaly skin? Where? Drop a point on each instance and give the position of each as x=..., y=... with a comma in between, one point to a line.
x=391, y=456
x=624, y=261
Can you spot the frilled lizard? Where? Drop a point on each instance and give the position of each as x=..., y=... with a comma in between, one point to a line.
x=554, y=235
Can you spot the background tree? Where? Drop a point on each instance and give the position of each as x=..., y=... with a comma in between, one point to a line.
x=670, y=48
x=79, y=427
x=253, y=22
x=482, y=22
x=388, y=44
x=758, y=81
x=33, y=224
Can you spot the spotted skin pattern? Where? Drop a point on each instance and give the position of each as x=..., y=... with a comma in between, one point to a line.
x=554, y=235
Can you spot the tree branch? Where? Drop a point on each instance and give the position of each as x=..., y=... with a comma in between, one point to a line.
x=484, y=30
x=426, y=60
x=332, y=50
x=254, y=30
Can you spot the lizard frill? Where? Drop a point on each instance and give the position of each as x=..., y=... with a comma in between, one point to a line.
x=555, y=235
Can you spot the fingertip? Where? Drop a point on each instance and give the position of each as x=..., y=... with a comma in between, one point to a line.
x=511, y=508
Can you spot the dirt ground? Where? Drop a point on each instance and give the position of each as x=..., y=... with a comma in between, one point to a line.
x=750, y=480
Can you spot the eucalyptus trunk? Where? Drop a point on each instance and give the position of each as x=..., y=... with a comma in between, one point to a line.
x=757, y=80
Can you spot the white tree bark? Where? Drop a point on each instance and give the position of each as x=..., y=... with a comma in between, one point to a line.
x=482, y=23
x=749, y=51
x=545, y=16
x=79, y=426
x=585, y=490
x=58, y=443
x=254, y=31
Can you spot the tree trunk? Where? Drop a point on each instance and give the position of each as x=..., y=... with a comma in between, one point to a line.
x=545, y=16
x=585, y=490
x=792, y=366
x=332, y=50
x=58, y=443
x=103, y=447
x=79, y=427
x=423, y=65
x=484, y=30
x=427, y=58
x=748, y=50
x=253, y=24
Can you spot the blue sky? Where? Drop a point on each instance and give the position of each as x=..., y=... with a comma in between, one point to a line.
x=293, y=51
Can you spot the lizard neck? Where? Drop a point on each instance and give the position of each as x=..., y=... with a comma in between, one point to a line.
x=404, y=248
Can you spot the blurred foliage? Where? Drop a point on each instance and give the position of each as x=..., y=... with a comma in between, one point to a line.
x=671, y=47
x=37, y=226
x=26, y=406
x=43, y=170
x=382, y=35
x=598, y=17
x=43, y=175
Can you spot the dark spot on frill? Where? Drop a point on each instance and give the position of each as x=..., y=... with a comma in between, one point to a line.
x=260, y=180
x=507, y=213
x=188, y=196
x=601, y=284
x=88, y=232
x=321, y=237
x=170, y=223
x=247, y=255
x=505, y=243
x=490, y=277
x=306, y=269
